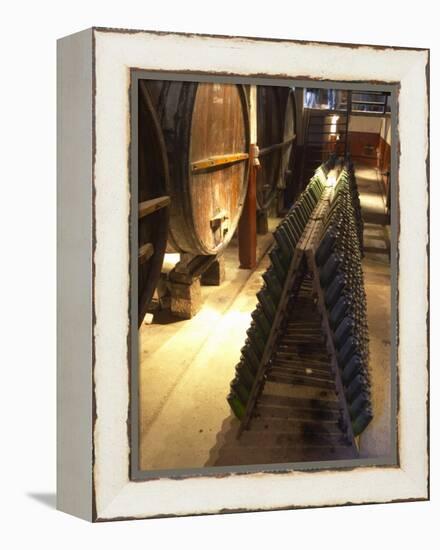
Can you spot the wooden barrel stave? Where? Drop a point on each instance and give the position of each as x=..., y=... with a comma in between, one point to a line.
x=289, y=151
x=153, y=201
x=204, y=122
x=275, y=138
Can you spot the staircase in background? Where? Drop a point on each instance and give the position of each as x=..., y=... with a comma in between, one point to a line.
x=326, y=129
x=325, y=132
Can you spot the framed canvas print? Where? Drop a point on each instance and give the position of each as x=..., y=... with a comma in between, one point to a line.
x=242, y=274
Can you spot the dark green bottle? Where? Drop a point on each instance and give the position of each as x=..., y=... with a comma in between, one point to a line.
x=339, y=311
x=261, y=321
x=294, y=232
x=240, y=390
x=345, y=329
x=358, y=384
x=252, y=358
x=361, y=403
x=283, y=241
x=256, y=340
x=347, y=351
x=278, y=262
x=334, y=289
x=272, y=284
x=238, y=408
x=328, y=270
x=296, y=223
x=244, y=374
x=361, y=422
x=267, y=304
x=325, y=247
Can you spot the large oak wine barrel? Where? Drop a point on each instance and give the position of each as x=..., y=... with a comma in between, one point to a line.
x=276, y=140
x=153, y=201
x=206, y=132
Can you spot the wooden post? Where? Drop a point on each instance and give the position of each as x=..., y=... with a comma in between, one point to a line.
x=299, y=104
x=347, y=123
x=247, y=227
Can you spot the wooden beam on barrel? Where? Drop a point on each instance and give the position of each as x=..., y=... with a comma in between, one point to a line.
x=145, y=252
x=276, y=146
x=218, y=160
x=150, y=206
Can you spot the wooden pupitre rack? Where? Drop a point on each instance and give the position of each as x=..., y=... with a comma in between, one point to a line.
x=302, y=385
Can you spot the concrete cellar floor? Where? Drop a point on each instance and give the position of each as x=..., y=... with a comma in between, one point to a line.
x=375, y=441
x=186, y=366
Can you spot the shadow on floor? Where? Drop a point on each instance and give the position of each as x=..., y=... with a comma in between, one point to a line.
x=165, y=317
x=376, y=218
x=226, y=437
x=47, y=499
x=373, y=201
x=377, y=243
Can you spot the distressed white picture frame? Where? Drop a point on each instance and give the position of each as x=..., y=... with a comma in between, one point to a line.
x=94, y=274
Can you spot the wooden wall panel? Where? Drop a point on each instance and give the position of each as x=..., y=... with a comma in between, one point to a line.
x=364, y=147
x=384, y=166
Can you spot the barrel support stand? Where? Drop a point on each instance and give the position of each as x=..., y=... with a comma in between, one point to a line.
x=186, y=299
x=215, y=274
x=185, y=289
x=186, y=278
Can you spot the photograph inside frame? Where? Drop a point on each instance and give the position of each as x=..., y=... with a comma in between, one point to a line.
x=263, y=274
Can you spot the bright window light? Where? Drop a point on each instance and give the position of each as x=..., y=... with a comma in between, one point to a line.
x=335, y=119
x=331, y=181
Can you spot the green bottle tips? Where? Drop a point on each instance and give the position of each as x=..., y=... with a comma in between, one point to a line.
x=261, y=320
x=283, y=243
x=244, y=374
x=358, y=384
x=345, y=328
x=335, y=289
x=361, y=422
x=361, y=402
x=267, y=304
x=347, y=351
x=248, y=369
x=328, y=270
x=325, y=247
x=272, y=283
x=296, y=223
x=291, y=232
x=238, y=408
x=339, y=311
x=273, y=292
x=240, y=390
x=251, y=358
x=279, y=262
x=257, y=342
